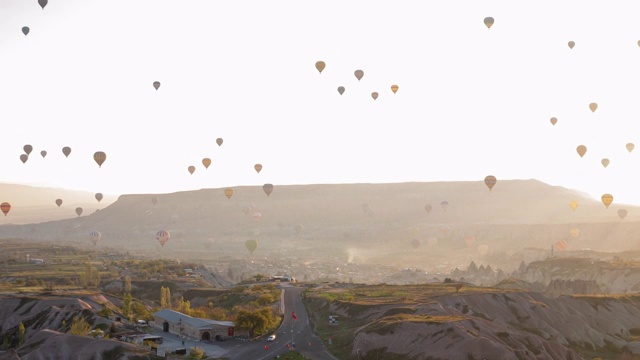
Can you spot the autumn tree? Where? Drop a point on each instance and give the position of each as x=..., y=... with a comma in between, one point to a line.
x=127, y=284
x=79, y=326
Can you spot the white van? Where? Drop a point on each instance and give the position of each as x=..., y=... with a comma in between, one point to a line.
x=141, y=323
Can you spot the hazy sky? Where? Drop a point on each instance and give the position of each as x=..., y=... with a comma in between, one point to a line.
x=471, y=102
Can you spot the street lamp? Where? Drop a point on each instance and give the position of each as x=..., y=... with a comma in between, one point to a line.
x=358, y=352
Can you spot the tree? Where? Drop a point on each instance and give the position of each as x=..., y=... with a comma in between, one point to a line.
x=79, y=326
x=126, y=305
x=127, y=284
x=22, y=332
x=105, y=312
x=165, y=297
x=196, y=353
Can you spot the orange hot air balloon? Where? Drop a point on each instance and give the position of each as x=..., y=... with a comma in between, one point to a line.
x=561, y=245
x=571, y=44
x=394, y=88
x=630, y=147
x=469, y=240
x=228, y=192
x=488, y=22
x=553, y=120
x=622, y=213
x=206, y=162
x=5, y=207
x=374, y=95
x=257, y=167
x=593, y=107
x=574, y=205
x=359, y=74
x=191, y=169
x=607, y=199
x=605, y=162
x=267, y=188
x=59, y=202
x=219, y=141
x=575, y=232
x=66, y=151
x=320, y=65
x=99, y=157
x=490, y=181
x=163, y=236
x=581, y=149
x=79, y=211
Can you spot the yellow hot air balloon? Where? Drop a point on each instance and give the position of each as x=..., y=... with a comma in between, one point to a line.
x=622, y=213
x=553, y=120
x=490, y=181
x=320, y=65
x=574, y=205
x=571, y=44
x=206, y=162
x=228, y=192
x=605, y=162
x=593, y=107
x=488, y=21
x=607, y=199
x=257, y=167
x=630, y=147
x=191, y=169
x=359, y=74
x=575, y=232
x=581, y=149
x=394, y=88
x=99, y=157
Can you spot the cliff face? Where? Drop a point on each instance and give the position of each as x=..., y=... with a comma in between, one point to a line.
x=507, y=325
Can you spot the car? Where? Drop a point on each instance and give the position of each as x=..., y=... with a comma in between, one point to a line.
x=271, y=337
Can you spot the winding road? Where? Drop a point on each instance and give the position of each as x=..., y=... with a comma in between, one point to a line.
x=298, y=332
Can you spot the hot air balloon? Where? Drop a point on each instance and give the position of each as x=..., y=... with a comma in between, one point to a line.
x=445, y=230
x=43, y=3
x=622, y=213
x=561, y=245
x=444, y=205
x=59, y=202
x=251, y=245
x=156, y=85
x=593, y=107
x=359, y=74
x=482, y=249
x=24, y=158
x=575, y=232
x=605, y=162
x=298, y=228
x=415, y=243
x=99, y=157
x=66, y=151
x=95, y=236
x=607, y=199
x=553, y=120
x=25, y=30
x=428, y=208
x=43, y=153
x=469, y=240
x=5, y=207
x=219, y=141
x=256, y=216
x=163, y=236
x=574, y=205
x=394, y=88
x=581, y=149
x=191, y=169
x=99, y=197
x=488, y=21
x=246, y=210
x=571, y=44
x=27, y=149
x=341, y=89
x=268, y=188
x=490, y=181
x=257, y=167
x=228, y=192
x=320, y=65
x=206, y=162
x=630, y=147
x=374, y=95
x=79, y=211
x=154, y=200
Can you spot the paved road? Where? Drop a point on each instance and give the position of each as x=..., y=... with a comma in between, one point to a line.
x=297, y=331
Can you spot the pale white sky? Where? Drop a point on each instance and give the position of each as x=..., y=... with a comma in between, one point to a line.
x=471, y=101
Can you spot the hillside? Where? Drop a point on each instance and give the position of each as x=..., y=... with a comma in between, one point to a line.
x=377, y=220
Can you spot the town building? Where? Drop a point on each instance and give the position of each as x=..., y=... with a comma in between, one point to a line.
x=197, y=328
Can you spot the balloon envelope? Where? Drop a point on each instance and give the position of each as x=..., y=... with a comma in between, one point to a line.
x=5, y=207
x=605, y=162
x=607, y=199
x=490, y=181
x=257, y=167
x=27, y=149
x=156, y=84
x=228, y=192
x=561, y=245
x=66, y=151
x=622, y=213
x=95, y=236
x=99, y=197
x=575, y=232
x=43, y=3
x=444, y=205
x=25, y=30
x=58, y=202
x=553, y=120
x=24, y=158
x=374, y=95
x=394, y=88
x=359, y=74
x=191, y=169
x=571, y=44
x=219, y=141
x=251, y=245
x=99, y=157
x=428, y=208
x=415, y=243
x=43, y=153
x=206, y=162
x=469, y=240
x=488, y=22
x=341, y=90
x=79, y=211
x=630, y=147
x=581, y=149
x=320, y=65
x=163, y=236
x=574, y=205
x=267, y=188
x=593, y=107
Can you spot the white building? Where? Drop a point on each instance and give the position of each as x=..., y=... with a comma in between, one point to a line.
x=196, y=328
